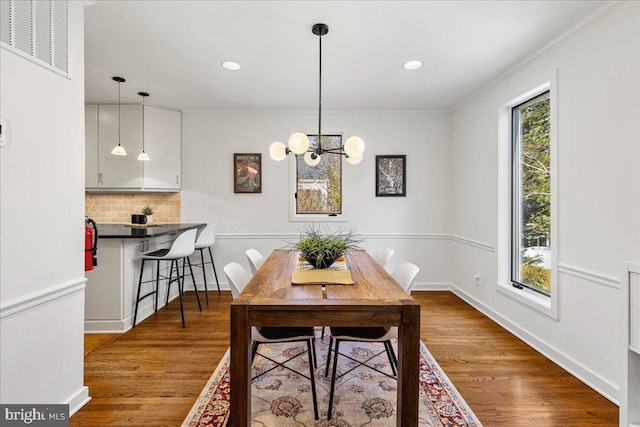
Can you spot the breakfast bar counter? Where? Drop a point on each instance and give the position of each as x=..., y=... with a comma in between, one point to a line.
x=135, y=231
x=111, y=286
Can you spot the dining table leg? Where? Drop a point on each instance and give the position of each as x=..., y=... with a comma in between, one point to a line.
x=240, y=410
x=408, y=365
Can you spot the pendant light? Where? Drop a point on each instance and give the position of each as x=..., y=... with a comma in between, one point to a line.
x=353, y=148
x=143, y=157
x=119, y=150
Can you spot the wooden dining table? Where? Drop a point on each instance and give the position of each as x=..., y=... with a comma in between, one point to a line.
x=374, y=299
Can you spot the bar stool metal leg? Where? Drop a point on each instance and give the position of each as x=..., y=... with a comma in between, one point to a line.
x=213, y=264
x=204, y=275
x=186, y=261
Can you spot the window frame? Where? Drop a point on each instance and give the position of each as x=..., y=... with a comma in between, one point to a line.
x=547, y=305
x=516, y=190
x=295, y=196
x=293, y=215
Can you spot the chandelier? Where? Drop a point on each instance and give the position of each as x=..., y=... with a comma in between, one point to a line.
x=353, y=148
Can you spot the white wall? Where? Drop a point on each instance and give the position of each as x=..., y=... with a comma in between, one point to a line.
x=598, y=195
x=41, y=224
x=416, y=226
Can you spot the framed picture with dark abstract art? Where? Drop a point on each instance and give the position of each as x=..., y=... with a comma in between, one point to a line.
x=391, y=176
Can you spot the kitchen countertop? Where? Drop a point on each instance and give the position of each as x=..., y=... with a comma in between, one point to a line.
x=134, y=231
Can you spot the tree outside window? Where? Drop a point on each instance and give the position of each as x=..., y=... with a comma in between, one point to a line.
x=531, y=188
x=319, y=188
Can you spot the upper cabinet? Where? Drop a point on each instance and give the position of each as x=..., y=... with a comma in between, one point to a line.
x=162, y=142
x=162, y=131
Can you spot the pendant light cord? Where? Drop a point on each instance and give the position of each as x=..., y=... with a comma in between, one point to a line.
x=119, y=130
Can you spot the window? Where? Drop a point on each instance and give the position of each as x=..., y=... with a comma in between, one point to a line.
x=319, y=188
x=531, y=195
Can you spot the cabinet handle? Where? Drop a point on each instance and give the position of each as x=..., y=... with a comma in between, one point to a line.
x=177, y=179
x=100, y=178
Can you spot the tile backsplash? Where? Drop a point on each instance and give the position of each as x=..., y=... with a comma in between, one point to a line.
x=118, y=207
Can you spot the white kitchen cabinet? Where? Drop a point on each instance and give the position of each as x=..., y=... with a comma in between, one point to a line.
x=119, y=171
x=162, y=135
x=162, y=141
x=91, y=146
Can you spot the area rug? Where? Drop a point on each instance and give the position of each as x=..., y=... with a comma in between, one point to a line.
x=363, y=397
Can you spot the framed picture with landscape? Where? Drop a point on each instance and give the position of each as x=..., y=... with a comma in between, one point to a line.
x=247, y=173
x=391, y=176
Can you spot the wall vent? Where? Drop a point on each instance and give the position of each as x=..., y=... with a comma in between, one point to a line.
x=37, y=30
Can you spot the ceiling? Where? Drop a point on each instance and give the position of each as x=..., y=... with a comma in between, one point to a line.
x=173, y=50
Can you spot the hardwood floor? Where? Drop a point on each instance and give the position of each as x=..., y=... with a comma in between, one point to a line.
x=152, y=375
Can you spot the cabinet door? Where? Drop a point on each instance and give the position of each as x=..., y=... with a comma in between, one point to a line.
x=162, y=141
x=91, y=146
x=120, y=171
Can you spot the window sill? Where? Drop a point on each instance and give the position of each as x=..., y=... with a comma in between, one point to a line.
x=530, y=298
x=317, y=218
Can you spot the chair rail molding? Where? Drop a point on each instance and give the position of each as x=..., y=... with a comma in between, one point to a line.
x=37, y=298
x=590, y=275
x=474, y=243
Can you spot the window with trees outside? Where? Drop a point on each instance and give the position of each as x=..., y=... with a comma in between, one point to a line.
x=319, y=188
x=531, y=195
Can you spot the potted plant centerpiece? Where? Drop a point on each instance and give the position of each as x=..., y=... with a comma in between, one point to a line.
x=321, y=248
x=148, y=212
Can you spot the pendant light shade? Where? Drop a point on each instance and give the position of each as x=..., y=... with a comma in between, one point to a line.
x=143, y=157
x=354, y=146
x=354, y=160
x=311, y=158
x=278, y=151
x=353, y=149
x=299, y=143
x=119, y=150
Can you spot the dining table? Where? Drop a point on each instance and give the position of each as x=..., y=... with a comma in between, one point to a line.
x=373, y=299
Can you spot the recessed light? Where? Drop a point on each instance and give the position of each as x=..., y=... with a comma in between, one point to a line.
x=412, y=65
x=231, y=65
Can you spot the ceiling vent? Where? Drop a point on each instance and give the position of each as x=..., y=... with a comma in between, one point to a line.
x=37, y=30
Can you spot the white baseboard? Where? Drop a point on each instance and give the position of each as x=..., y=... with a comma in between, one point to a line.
x=77, y=401
x=432, y=286
x=119, y=326
x=598, y=383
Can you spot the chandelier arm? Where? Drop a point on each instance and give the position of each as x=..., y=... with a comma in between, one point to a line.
x=334, y=151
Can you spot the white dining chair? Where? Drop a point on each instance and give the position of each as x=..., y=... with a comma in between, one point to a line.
x=382, y=256
x=255, y=259
x=238, y=278
x=404, y=274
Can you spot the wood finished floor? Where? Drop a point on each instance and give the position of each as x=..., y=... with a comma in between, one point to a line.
x=152, y=375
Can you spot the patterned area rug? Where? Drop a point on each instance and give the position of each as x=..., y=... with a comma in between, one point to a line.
x=363, y=397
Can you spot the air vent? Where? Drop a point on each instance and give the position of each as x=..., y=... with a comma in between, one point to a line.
x=37, y=30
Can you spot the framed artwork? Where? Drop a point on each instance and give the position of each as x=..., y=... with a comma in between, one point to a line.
x=391, y=176
x=247, y=173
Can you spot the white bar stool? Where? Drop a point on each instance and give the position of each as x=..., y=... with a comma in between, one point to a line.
x=206, y=240
x=182, y=248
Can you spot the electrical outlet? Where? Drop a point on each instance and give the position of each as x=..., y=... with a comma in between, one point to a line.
x=477, y=277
